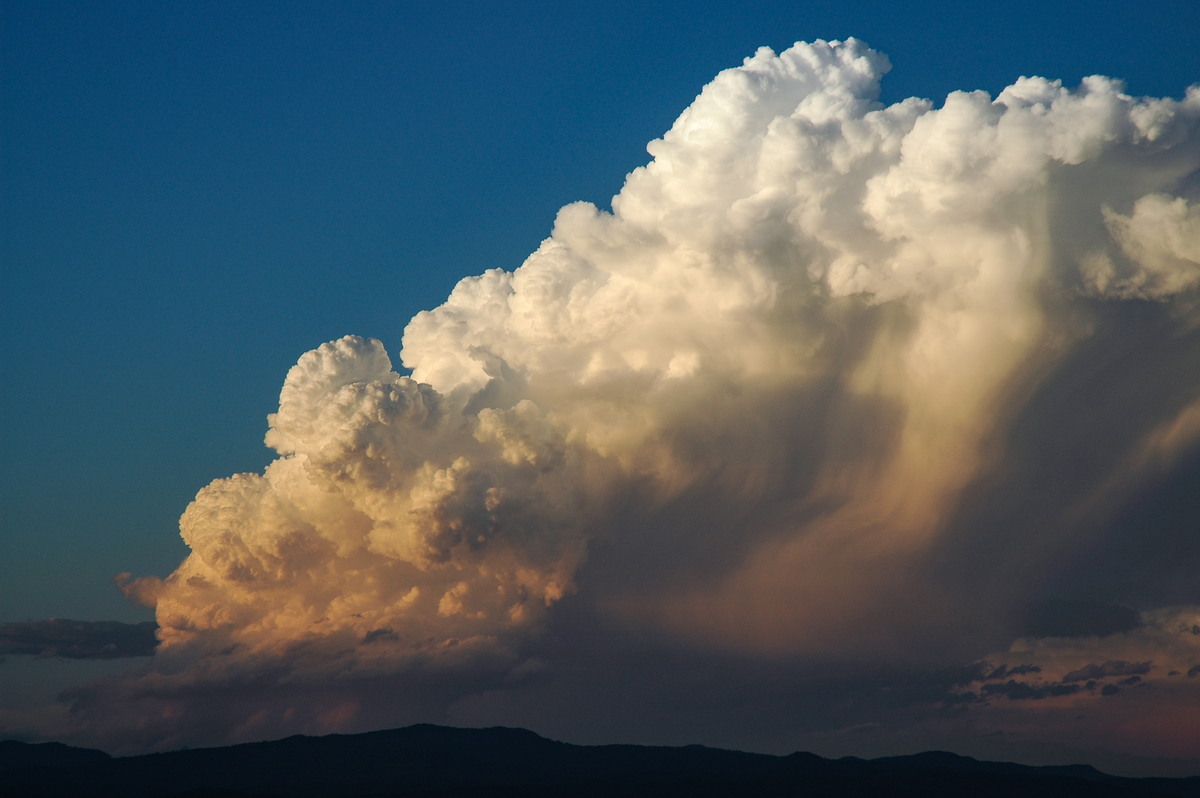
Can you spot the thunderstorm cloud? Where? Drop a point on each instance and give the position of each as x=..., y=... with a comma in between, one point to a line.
x=832, y=384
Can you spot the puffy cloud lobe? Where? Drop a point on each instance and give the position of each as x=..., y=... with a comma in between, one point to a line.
x=762, y=389
x=1160, y=240
x=387, y=520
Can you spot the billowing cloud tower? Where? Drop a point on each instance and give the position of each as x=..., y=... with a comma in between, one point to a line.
x=831, y=379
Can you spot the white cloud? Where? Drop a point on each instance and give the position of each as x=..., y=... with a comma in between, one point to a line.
x=763, y=389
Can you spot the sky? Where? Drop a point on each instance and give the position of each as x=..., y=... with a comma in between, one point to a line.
x=619, y=379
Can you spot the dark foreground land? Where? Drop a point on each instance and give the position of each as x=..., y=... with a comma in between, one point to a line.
x=438, y=761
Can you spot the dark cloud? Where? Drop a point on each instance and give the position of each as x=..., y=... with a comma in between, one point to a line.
x=1016, y=670
x=1111, y=668
x=1020, y=691
x=61, y=637
x=1079, y=618
x=1064, y=514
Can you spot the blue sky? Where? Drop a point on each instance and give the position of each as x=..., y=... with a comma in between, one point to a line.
x=196, y=193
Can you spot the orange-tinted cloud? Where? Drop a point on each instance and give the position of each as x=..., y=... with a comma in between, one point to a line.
x=833, y=381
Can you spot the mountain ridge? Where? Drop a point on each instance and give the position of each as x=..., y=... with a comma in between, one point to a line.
x=429, y=760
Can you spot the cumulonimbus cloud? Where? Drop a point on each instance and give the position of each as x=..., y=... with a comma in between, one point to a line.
x=797, y=394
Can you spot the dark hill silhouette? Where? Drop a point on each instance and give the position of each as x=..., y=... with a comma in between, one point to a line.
x=428, y=761
x=15, y=755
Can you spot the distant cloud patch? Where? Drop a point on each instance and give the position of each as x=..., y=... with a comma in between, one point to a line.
x=61, y=637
